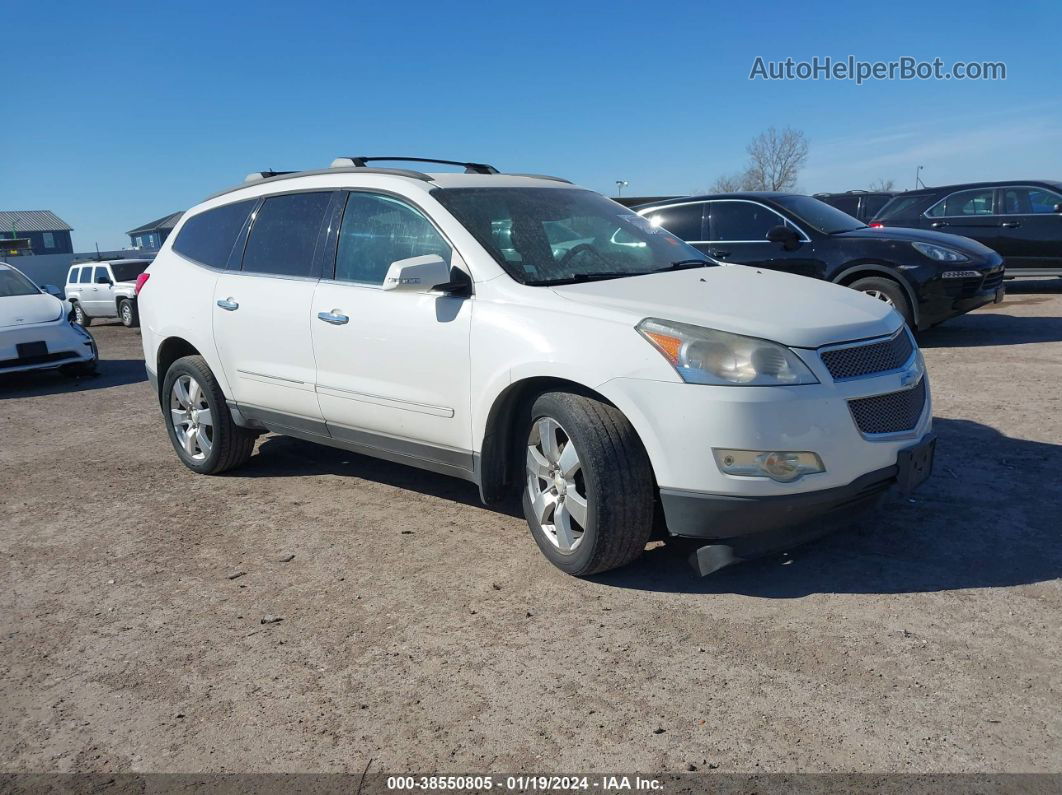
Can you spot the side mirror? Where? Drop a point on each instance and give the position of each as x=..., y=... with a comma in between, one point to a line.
x=785, y=235
x=417, y=274
x=103, y=280
x=52, y=290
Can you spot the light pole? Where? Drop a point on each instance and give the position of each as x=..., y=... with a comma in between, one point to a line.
x=620, y=185
x=918, y=179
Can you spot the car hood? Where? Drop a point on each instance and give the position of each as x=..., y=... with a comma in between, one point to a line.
x=794, y=310
x=900, y=234
x=23, y=310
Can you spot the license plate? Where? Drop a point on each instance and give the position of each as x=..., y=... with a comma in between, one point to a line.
x=915, y=464
x=30, y=350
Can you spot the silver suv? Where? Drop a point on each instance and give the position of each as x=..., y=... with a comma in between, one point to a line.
x=105, y=289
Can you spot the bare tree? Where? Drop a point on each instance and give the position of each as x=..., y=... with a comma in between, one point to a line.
x=730, y=183
x=775, y=159
x=883, y=184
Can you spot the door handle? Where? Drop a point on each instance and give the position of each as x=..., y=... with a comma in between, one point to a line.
x=938, y=224
x=229, y=304
x=714, y=252
x=335, y=317
x=1010, y=224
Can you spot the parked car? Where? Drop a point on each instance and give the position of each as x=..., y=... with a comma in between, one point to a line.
x=860, y=204
x=1020, y=220
x=105, y=289
x=441, y=321
x=927, y=276
x=36, y=332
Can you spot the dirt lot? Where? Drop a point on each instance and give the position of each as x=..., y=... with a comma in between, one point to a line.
x=427, y=633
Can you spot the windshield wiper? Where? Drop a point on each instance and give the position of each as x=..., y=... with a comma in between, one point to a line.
x=683, y=264
x=576, y=278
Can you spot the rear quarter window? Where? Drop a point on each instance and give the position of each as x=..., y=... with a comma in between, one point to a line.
x=208, y=237
x=900, y=207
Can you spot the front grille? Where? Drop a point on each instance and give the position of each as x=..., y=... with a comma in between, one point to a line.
x=895, y=412
x=993, y=280
x=877, y=357
x=43, y=359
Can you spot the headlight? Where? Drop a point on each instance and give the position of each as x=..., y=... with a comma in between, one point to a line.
x=940, y=253
x=705, y=356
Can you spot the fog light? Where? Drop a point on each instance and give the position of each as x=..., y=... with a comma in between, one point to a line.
x=783, y=466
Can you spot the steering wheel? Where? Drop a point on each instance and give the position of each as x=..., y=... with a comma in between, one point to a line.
x=570, y=253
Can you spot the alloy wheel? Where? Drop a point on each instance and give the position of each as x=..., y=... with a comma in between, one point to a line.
x=193, y=422
x=880, y=296
x=555, y=485
x=127, y=313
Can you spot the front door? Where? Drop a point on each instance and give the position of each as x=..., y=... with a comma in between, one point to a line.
x=392, y=367
x=262, y=314
x=98, y=296
x=738, y=230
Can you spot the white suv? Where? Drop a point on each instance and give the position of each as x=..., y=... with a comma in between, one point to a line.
x=100, y=289
x=521, y=332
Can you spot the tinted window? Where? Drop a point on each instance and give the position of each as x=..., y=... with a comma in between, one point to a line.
x=208, y=236
x=819, y=215
x=128, y=271
x=284, y=234
x=100, y=273
x=684, y=221
x=846, y=204
x=872, y=205
x=1029, y=201
x=965, y=202
x=72, y=278
x=379, y=230
x=740, y=221
x=900, y=207
x=86, y=276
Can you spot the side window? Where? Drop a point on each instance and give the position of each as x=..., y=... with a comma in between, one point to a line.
x=208, y=237
x=284, y=234
x=846, y=204
x=49, y=240
x=740, y=221
x=72, y=277
x=963, y=203
x=1029, y=201
x=86, y=276
x=684, y=221
x=378, y=230
x=100, y=273
x=872, y=205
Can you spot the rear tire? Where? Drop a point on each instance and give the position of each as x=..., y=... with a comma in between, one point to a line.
x=199, y=422
x=887, y=291
x=128, y=314
x=80, y=317
x=588, y=484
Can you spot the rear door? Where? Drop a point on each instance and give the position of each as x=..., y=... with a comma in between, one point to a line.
x=970, y=213
x=1031, y=231
x=262, y=312
x=738, y=228
x=392, y=366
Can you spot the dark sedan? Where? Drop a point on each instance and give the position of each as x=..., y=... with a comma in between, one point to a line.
x=927, y=276
x=1020, y=220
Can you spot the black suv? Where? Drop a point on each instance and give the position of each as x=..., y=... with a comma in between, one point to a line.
x=1020, y=220
x=927, y=276
x=861, y=204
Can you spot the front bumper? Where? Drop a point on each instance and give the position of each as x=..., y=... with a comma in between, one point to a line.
x=947, y=298
x=66, y=344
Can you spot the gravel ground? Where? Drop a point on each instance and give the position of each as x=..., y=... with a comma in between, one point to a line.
x=427, y=633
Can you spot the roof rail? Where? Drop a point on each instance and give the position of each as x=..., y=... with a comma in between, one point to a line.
x=255, y=176
x=540, y=176
x=470, y=168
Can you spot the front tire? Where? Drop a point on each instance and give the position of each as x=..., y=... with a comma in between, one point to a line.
x=128, y=314
x=80, y=317
x=199, y=422
x=588, y=484
x=887, y=291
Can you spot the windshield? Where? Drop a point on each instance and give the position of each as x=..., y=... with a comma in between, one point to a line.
x=819, y=214
x=558, y=235
x=128, y=271
x=13, y=283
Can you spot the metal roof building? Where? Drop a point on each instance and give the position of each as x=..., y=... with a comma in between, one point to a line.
x=33, y=232
x=153, y=234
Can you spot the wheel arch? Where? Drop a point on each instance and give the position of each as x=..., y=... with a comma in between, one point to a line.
x=853, y=273
x=496, y=462
x=170, y=350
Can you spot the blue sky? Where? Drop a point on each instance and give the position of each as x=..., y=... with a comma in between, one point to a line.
x=118, y=113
